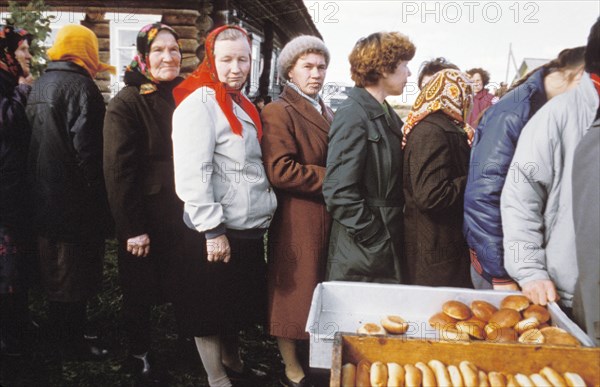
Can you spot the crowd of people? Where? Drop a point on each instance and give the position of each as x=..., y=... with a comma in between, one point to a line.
x=190, y=175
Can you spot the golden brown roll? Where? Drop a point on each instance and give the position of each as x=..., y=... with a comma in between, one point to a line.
x=413, y=376
x=524, y=380
x=363, y=371
x=453, y=334
x=516, y=302
x=469, y=373
x=502, y=335
x=527, y=324
x=558, y=336
x=574, y=380
x=442, y=320
x=496, y=379
x=483, y=310
x=394, y=325
x=456, y=309
x=371, y=329
x=537, y=311
x=539, y=380
x=427, y=374
x=473, y=326
x=379, y=374
x=455, y=376
x=441, y=373
x=483, y=379
x=395, y=374
x=348, y=375
x=532, y=336
x=553, y=377
x=505, y=318
x=511, y=381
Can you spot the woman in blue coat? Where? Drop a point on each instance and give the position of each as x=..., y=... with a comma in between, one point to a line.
x=493, y=149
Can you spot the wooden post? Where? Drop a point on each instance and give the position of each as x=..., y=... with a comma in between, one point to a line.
x=95, y=21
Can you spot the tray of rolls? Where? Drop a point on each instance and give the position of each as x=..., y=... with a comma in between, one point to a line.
x=360, y=360
x=446, y=314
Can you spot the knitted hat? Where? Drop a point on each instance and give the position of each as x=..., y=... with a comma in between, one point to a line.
x=296, y=48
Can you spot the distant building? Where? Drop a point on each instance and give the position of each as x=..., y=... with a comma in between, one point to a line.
x=334, y=93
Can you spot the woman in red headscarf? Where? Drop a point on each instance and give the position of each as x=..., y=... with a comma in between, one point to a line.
x=229, y=204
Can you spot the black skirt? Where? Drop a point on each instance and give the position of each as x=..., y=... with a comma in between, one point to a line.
x=215, y=297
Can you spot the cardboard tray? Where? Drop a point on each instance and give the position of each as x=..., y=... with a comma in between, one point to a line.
x=510, y=358
x=345, y=306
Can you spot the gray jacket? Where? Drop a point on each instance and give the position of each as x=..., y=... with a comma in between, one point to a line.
x=536, y=202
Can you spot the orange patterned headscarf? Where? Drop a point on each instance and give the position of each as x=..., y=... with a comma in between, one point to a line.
x=206, y=75
x=449, y=91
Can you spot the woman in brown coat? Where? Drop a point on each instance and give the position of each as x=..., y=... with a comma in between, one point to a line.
x=294, y=146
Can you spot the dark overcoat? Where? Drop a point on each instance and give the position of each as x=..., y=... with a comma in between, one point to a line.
x=363, y=191
x=294, y=146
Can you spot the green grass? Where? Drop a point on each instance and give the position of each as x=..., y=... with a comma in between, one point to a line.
x=42, y=365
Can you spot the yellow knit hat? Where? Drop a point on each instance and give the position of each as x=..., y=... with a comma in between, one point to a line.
x=78, y=44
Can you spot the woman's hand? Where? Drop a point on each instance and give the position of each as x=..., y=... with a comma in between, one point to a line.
x=540, y=292
x=218, y=249
x=139, y=246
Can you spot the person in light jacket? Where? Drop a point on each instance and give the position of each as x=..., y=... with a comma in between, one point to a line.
x=536, y=202
x=228, y=206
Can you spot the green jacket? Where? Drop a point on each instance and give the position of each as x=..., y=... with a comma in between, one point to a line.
x=363, y=191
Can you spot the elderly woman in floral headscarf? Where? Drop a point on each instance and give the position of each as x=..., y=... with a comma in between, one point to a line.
x=436, y=160
x=14, y=214
x=138, y=169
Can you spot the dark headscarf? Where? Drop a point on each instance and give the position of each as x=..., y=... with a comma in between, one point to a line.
x=10, y=40
x=141, y=62
x=206, y=75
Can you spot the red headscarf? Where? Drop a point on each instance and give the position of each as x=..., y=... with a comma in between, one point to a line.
x=206, y=75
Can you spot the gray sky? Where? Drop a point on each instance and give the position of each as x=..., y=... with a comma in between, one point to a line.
x=468, y=33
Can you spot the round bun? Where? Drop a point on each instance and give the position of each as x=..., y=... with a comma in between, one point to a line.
x=553, y=377
x=574, y=379
x=496, y=379
x=455, y=376
x=348, y=375
x=395, y=374
x=524, y=380
x=516, y=302
x=558, y=336
x=527, y=324
x=505, y=318
x=483, y=310
x=363, y=370
x=441, y=320
x=474, y=327
x=483, y=379
x=537, y=311
x=453, y=334
x=441, y=373
x=395, y=325
x=456, y=310
x=532, y=336
x=469, y=373
x=427, y=374
x=379, y=374
x=539, y=380
x=502, y=335
x=371, y=329
x=412, y=377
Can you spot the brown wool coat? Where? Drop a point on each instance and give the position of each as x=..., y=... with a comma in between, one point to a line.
x=294, y=147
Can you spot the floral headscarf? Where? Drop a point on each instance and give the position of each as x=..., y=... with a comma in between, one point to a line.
x=10, y=40
x=141, y=61
x=449, y=91
x=206, y=75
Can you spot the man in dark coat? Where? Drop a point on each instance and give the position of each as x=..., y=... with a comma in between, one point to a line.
x=66, y=112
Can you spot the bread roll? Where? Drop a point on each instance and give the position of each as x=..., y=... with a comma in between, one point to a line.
x=413, y=376
x=348, y=375
x=502, y=335
x=483, y=310
x=469, y=373
x=553, y=377
x=539, y=380
x=558, y=336
x=395, y=374
x=483, y=379
x=473, y=326
x=496, y=379
x=456, y=310
x=455, y=376
x=371, y=329
x=505, y=318
x=427, y=374
x=524, y=380
x=537, y=311
x=441, y=320
x=363, y=371
x=453, y=334
x=532, y=336
x=516, y=302
x=379, y=374
x=511, y=381
x=441, y=373
x=527, y=324
x=394, y=325
x=574, y=380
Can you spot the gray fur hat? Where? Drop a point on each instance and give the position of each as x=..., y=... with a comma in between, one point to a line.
x=294, y=49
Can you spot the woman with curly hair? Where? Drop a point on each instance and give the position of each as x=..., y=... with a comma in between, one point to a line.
x=363, y=180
